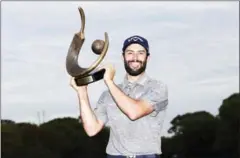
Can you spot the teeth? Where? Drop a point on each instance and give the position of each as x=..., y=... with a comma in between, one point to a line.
x=134, y=64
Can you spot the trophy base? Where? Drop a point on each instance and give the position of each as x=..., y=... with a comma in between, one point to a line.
x=90, y=78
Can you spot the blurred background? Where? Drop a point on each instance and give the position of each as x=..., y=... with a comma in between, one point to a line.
x=194, y=49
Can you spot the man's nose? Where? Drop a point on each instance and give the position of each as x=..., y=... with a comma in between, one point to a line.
x=135, y=57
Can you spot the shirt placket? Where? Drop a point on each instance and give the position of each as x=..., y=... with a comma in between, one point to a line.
x=128, y=89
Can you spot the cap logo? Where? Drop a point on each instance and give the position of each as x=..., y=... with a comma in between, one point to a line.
x=135, y=39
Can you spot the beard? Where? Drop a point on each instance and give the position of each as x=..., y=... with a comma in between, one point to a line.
x=135, y=72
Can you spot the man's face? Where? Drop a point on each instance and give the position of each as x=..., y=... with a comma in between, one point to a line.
x=135, y=59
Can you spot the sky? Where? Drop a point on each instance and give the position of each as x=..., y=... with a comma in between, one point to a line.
x=194, y=50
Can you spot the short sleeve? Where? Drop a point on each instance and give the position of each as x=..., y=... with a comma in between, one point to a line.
x=157, y=95
x=100, y=109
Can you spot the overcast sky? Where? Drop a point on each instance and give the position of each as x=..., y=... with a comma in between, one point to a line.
x=193, y=46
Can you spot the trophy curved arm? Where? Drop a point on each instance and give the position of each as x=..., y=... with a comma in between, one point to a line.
x=100, y=58
x=72, y=57
x=72, y=65
x=82, y=19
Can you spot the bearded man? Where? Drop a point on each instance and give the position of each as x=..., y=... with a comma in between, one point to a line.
x=134, y=110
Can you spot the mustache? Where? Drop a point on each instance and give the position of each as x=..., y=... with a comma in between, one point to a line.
x=130, y=61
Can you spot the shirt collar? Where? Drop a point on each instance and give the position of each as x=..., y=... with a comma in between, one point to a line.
x=140, y=81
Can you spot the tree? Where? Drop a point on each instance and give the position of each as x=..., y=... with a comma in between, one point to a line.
x=67, y=137
x=228, y=135
x=11, y=141
x=58, y=138
x=6, y=121
x=194, y=134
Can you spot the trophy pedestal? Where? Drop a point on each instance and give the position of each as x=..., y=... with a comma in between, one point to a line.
x=90, y=78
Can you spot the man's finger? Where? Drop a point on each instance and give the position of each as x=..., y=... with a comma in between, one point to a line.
x=105, y=66
x=72, y=82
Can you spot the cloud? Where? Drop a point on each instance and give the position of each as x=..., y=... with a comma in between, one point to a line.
x=194, y=50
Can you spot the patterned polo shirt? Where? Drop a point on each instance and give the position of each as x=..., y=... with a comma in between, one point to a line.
x=134, y=137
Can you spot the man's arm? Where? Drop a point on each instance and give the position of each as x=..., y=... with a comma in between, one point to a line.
x=90, y=122
x=155, y=100
x=133, y=108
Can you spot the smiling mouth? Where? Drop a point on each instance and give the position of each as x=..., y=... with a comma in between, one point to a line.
x=134, y=64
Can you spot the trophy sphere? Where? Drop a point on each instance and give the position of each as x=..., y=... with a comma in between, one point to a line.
x=97, y=46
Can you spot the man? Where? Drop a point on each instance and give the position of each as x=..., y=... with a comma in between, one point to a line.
x=133, y=110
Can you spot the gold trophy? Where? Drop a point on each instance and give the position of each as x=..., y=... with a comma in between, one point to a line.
x=84, y=76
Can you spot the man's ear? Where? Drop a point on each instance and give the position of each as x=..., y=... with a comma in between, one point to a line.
x=123, y=56
x=148, y=58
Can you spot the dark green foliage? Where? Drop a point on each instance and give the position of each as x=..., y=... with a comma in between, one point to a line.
x=194, y=135
x=58, y=138
x=201, y=134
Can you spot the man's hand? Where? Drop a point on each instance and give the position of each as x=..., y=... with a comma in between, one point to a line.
x=109, y=73
x=79, y=89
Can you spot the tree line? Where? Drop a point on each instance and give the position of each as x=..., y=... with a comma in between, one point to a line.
x=193, y=135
